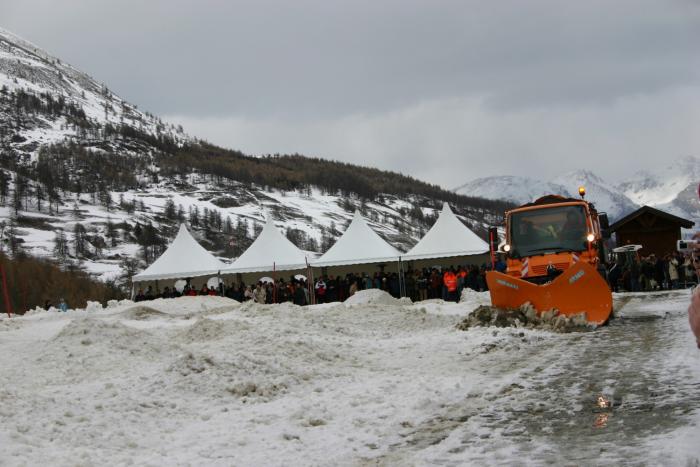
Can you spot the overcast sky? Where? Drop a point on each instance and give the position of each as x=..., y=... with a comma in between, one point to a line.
x=446, y=91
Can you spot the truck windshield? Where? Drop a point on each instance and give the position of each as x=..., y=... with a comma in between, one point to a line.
x=548, y=230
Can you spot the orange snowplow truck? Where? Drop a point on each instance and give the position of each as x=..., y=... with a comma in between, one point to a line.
x=555, y=259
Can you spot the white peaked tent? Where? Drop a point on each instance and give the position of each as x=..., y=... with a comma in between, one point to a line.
x=270, y=248
x=447, y=238
x=183, y=258
x=358, y=245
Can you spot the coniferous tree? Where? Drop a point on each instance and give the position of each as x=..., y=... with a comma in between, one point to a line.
x=169, y=210
x=112, y=233
x=79, y=240
x=194, y=216
x=60, y=248
x=4, y=186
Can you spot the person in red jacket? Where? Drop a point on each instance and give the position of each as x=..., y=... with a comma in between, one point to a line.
x=450, y=281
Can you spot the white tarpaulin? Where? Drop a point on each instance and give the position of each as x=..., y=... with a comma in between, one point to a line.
x=183, y=258
x=358, y=245
x=270, y=248
x=446, y=238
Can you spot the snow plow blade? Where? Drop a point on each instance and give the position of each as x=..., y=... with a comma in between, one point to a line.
x=578, y=289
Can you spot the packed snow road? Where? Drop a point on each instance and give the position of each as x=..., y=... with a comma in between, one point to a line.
x=206, y=381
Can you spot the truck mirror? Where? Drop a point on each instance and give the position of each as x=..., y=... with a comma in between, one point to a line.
x=604, y=222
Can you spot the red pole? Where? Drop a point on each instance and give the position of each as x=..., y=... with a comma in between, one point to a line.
x=8, y=307
x=493, y=253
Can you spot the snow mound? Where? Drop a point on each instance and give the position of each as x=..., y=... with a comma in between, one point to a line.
x=203, y=330
x=142, y=312
x=473, y=297
x=119, y=303
x=191, y=305
x=114, y=336
x=92, y=307
x=375, y=297
x=238, y=376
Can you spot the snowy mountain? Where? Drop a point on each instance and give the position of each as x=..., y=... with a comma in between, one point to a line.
x=673, y=189
x=89, y=106
x=91, y=181
x=516, y=189
x=603, y=194
x=521, y=190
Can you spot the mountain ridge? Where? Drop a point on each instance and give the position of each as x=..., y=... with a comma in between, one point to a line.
x=673, y=189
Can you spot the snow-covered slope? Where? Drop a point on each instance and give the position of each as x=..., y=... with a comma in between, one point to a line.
x=26, y=67
x=673, y=189
x=605, y=196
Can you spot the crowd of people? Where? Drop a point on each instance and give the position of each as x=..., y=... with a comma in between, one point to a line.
x=647, y=273
x=419, y=284
x=635, y=274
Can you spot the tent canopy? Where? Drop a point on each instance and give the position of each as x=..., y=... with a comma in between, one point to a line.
x=183, y=258
x=446, y=238
x=270, y=248
x=358, y=245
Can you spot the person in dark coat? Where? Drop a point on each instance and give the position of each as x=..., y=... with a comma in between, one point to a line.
x=299, y=294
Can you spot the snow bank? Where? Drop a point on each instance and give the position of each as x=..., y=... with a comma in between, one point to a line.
x=191, y=305
x=474, y=298
x=375, y=297
x=378, y=384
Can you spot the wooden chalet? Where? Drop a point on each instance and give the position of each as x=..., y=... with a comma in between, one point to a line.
x=657, y=231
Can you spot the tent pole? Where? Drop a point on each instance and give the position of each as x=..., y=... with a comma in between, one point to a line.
x=310, y=282
x=274, y=284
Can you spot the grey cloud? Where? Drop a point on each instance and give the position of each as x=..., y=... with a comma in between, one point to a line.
x=442, y=90
x=319, y=58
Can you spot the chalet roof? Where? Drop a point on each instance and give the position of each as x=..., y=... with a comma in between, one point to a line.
x=685, y=223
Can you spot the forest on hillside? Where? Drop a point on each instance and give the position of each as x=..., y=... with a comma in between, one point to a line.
x=71, y=167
